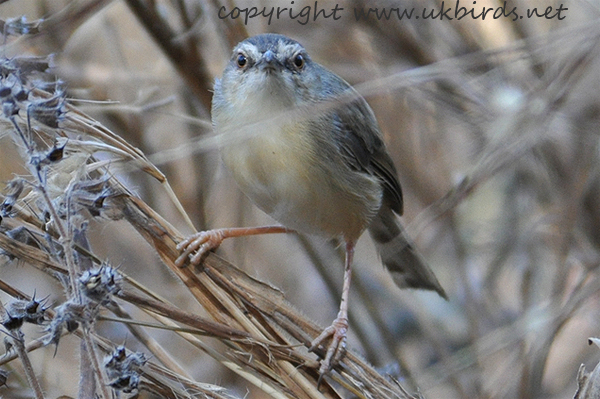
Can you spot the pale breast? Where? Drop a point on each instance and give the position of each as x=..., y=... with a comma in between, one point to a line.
x=282, y=171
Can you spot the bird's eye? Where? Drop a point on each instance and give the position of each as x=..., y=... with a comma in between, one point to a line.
x=299, y=61
x=241, y=60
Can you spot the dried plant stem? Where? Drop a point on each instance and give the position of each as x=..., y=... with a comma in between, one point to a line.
x=498, y=145
x=220, y=282
x=93, y=357
x=19, y=345
x=66, y=241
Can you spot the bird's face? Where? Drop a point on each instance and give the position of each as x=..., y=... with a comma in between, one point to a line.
x=267, y=71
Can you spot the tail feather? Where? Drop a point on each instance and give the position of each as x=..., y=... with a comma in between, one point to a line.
x=407, y=267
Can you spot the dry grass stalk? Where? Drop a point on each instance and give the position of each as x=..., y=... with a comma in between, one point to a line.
x=494, y=132
x=260, y=329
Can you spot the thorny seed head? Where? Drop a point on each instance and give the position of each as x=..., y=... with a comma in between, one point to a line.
x=20, y=311
x=95, y=203
x=123, y=369
x=3, y=377
x=19, y=26
x=8, y=344
x=48, y=111
x=20, y=94
x=13, y=190
x=53, y=155
x=5, y=91
x=25, y=66
x=94, y=195
x=116, y=358
x=41, y=159
x=9, y=108
x=68, y=316
x=16, y=82
x=11, y=93
x=12, y=323
x=100, y=283
x=11, y=82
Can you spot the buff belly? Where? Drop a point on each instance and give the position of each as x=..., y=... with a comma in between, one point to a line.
x=279, y=172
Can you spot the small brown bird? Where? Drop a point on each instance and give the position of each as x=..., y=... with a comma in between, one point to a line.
x=326, y=172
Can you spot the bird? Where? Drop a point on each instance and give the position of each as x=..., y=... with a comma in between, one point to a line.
x=306, y=148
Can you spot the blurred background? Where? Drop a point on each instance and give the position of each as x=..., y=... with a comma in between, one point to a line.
x=493, y=125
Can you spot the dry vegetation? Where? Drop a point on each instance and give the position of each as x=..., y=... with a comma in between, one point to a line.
x=106, y=144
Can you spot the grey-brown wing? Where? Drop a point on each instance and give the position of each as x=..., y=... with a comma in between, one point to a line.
x=358, y=136
x=360, y=142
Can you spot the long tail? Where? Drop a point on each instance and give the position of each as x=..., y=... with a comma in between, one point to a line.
x=406, y=265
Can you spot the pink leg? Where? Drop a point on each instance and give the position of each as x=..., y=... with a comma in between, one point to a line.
x=339, y=328
x=205, y=241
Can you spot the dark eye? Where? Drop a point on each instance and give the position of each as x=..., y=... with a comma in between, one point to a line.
x=299, y=61
x=241, y=60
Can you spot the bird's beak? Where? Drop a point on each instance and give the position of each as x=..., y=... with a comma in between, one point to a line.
x=269, y=62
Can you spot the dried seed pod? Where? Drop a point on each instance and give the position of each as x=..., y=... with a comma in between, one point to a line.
x=123, y=369
x=48, y=111
x=14, y=189
x=100, y=283
x=20, y=311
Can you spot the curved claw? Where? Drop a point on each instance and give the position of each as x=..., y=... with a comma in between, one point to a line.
x=336, y=349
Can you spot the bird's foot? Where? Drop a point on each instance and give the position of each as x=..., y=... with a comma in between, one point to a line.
x=205, y=241
x=336, y=350
x=199, y=245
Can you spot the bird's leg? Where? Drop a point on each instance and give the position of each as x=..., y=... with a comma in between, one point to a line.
x=339, y=328
x=200, y=243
